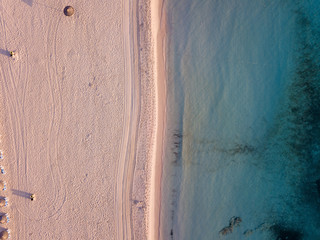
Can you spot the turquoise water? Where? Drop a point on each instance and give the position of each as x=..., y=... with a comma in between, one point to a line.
x=242, y=137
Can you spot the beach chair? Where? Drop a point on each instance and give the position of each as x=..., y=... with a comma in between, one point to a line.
x=3, y=185
x=4, y=218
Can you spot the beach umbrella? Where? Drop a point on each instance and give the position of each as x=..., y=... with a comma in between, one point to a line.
x=68, y=11
x=3, y=219
x=3, y=202
x=4, y=235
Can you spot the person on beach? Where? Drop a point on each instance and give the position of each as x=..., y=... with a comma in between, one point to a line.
x=14, y=55
x=32, y=197
x=2, y=170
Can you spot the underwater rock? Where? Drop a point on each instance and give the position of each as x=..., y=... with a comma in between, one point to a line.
x=248, y=232
x=264, y=226
x=235, y=221
x=261, y=227
x=226, y=230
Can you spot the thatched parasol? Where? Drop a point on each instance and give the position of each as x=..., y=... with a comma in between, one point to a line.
x=4, y=219
x=3, y=202
x=68, y=11
x=4, y=235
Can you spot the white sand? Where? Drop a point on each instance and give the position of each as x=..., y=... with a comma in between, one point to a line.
x=158, y=34
x=77, y=119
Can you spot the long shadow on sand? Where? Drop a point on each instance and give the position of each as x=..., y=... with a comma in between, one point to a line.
x=21, y=193
x=29, y=2
x=5, y=52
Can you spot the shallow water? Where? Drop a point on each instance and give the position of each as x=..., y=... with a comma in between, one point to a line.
x=243, y=120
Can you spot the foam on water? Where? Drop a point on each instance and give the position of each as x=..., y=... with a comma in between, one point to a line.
x=243, y=120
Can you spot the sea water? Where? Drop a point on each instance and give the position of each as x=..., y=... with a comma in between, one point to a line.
x=243, y=111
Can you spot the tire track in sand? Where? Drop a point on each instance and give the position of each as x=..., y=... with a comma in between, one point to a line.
x=59, y=194
x=11, y=93
x=127, y=158
x=18, y=70
x=21, y=77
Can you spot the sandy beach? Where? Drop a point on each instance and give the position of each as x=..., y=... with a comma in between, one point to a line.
x=159, y=35
x=81, y=121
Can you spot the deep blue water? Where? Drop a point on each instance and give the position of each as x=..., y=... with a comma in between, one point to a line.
x=242, y=137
